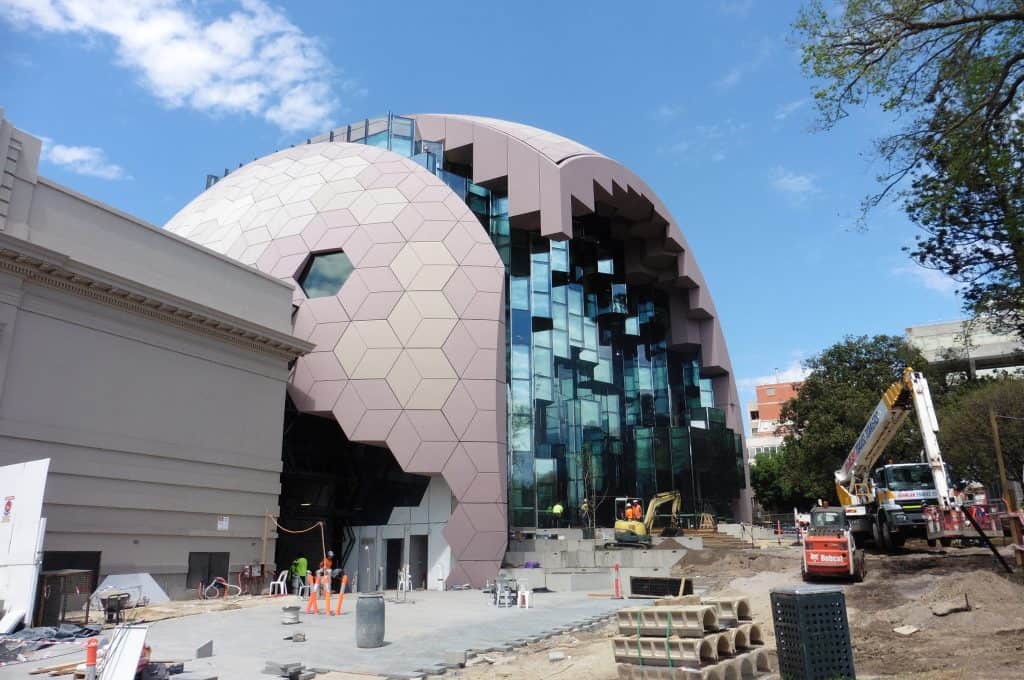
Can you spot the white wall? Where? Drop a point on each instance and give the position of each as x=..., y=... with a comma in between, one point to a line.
x=21, y=526
x=429, y=517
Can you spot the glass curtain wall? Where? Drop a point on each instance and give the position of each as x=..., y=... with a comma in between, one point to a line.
x=598, y=405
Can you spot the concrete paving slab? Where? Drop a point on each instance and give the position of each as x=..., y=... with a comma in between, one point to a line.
x=417, y=633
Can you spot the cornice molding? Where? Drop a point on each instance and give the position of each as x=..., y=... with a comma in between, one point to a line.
x=43, y=267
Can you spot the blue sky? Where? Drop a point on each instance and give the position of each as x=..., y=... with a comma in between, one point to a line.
x=140, y=99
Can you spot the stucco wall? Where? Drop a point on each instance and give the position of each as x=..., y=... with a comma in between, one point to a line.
x=152, y=434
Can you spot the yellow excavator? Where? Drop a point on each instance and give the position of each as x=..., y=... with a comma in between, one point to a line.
x=636, y=533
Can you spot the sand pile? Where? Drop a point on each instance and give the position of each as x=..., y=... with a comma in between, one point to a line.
x=996, y=605
x=732, y=563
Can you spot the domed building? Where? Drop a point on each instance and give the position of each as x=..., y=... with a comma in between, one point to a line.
x=503, y=321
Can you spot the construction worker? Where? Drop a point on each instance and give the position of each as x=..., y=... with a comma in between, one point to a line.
x=326, y=564
x=298, y=570
x=638, y=512
x=629, y=511
x=585, y=513
x=556, y=512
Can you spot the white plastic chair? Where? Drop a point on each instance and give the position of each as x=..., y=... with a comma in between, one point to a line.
x=278, y=586
x=303, y=591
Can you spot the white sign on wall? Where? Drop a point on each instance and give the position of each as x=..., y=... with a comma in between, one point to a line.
x=223, y=522
x=21, y=532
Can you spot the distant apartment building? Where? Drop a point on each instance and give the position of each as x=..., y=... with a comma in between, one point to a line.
x=766, y=427
x=968, y=347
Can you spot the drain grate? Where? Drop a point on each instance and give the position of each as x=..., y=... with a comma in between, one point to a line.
x=659, y=586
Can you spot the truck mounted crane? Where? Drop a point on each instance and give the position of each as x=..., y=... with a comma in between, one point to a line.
x=897, y=501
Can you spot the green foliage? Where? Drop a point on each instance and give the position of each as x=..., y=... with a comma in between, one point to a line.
x=771, y=485
x=953, y=72
x=826, y=417
x=965, y=435
x=971, y=206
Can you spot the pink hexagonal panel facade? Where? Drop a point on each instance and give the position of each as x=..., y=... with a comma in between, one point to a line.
x=410, y=352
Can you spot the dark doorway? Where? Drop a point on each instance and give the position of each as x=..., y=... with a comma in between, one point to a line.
x=392, y=563
x=418, y=560
x=326, y=478
x=203, y=567
x=54, y=560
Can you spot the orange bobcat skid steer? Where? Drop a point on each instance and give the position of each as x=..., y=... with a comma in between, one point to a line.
x=829, y=548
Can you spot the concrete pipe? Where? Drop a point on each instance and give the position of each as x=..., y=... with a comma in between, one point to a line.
x=762, y=662
x=728, y=671
x=723, y=645
x=745, y=665
x=739, y=638
x=731, y=610
x=699, y=652
x=754, y=634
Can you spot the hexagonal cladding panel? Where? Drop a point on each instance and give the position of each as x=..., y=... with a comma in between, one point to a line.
x=399, y=287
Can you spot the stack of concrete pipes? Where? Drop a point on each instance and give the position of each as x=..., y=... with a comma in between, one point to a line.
x=690, y=638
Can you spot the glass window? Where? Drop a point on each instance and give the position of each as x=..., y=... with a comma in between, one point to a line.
x=520, y=292
x=521, y=362
x=325, y=274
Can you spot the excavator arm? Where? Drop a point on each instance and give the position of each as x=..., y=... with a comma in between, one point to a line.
x=659, y=500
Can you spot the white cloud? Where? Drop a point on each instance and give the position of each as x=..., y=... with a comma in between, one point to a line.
x=796, y=185
x=252, y=60
x=737, y=73
x=732, y=77
x=929, y=278
x=82, y=160
x=793, y=372
x=740, y=8
x=787, y=110
x=710, y=141
x=667, y=112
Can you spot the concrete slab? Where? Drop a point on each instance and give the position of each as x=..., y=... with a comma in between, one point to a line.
x=417, y=633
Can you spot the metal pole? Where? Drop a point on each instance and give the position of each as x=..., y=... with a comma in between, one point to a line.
x=1011, y=501
x=263, y=555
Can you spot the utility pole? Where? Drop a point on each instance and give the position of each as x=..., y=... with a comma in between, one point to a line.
x=1008, y=496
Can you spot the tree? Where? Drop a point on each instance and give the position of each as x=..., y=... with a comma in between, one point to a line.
x=837, y=397
x=953, y=72
x=971, y=205
x=966, y=437
x=771, y=486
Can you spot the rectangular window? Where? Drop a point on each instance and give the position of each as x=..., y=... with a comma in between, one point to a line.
x=770, y=391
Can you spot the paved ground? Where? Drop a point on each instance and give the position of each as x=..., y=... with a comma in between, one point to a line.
x=418, y=632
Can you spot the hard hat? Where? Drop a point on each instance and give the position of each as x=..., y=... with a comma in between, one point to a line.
x=330, y=553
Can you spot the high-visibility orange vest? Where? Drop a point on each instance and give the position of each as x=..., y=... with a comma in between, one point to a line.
x=629, y=512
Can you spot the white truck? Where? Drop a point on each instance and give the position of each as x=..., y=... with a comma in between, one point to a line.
x=897, y=501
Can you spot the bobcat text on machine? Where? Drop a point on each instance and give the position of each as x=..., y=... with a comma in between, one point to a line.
x=895, y=502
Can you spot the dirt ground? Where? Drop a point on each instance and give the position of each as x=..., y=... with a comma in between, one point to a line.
x=985, y=642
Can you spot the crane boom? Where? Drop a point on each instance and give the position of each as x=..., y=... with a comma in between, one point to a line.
x=909, y=393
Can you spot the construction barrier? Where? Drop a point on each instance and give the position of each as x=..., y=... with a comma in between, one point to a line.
x=341, y=595
x=322, y=584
